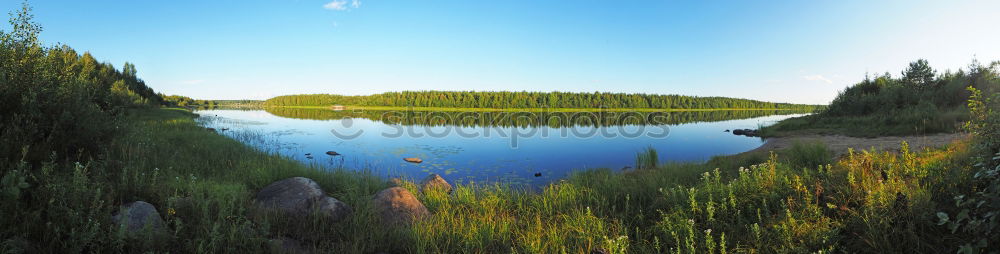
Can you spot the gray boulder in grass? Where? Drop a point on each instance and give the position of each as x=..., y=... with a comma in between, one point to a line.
x=299, y=197
x=139, y=218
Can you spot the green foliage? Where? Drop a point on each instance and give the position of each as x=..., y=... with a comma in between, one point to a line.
x=985, y=121
x=60, y=110
x=77, y=143
x=519, y=118
x=976, y=213
x=186, y=102
x=12, y=183
x=469, y=99
x=248, y=104
x=919, y=102
x=56, y=100
x=203, y=184
x=919, y=74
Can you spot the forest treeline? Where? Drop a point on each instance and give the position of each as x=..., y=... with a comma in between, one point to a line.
x=471, y=99
x=525, y=119
x=188, y=102
x=57, y=101
x=184, y=102
x=918, y=101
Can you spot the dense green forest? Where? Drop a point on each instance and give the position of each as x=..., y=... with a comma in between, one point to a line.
x=469, y=99
x=239, y=103
x=524, y=119
x=57, y=101
x=918, y=101
x=184, y=101
x=188, y=102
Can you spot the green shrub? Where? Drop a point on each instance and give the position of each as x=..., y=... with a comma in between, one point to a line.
x=975, y=213
x=55, y=100
x=905, y=105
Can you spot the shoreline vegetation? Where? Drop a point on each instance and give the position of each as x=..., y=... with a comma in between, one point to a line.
x=93, y=161
x=918, y=101
x=522, y=118
x=540, y=101
x=447, y=109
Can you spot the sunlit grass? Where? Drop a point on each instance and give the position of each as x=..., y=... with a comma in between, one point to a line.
x=203, y=184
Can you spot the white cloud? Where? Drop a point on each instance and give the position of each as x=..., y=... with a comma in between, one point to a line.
x=818, y=77
x=342, y=5
x=337, y=5
x=193, y=82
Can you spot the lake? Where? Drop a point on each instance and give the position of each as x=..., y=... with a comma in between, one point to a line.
x=517, y=148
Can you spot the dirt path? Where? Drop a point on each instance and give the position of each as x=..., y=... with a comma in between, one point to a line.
x=839, y=144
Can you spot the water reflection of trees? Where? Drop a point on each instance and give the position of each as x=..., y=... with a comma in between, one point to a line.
x=525, y=119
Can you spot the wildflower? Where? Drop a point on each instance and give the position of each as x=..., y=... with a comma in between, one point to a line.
x=171, y=211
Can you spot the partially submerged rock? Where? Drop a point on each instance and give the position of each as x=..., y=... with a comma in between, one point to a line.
x=140, y=219
x=397, y=206
x=299, y=197
x=332, y=153
x=746, y=132
x=413, y=160
x=435, y=182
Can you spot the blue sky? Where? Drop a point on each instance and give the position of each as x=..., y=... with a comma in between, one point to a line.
x=788, y=51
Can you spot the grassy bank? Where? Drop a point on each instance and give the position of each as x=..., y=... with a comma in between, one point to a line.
x=203, y=184
x=935, y=121
x=919, y=101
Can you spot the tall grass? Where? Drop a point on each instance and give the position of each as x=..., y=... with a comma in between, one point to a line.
x=203, y=184
x=647, y=159
x=808, y=154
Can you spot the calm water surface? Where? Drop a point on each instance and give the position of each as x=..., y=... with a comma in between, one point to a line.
x=498, y=147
